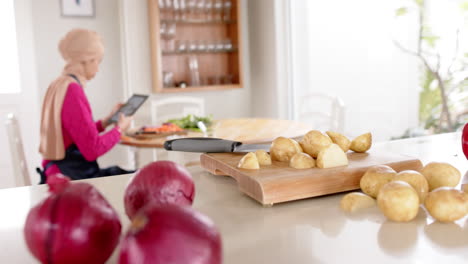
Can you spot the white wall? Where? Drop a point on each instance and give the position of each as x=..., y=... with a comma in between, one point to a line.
x=106, y=89
x=343, y=49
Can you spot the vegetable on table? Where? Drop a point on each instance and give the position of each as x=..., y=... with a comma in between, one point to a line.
x=465, y=140
x=74, y=224
x=161, y=182
x=163, y=234
x=190, y=122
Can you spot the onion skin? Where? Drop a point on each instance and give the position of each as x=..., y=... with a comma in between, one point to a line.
x=73, y=225
x=162, y=234
x=161, y=182
x=465, y=140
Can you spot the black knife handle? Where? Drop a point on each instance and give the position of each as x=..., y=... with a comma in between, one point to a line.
x=201, y=144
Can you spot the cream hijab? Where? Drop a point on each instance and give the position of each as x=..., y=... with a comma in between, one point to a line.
x=77, y=47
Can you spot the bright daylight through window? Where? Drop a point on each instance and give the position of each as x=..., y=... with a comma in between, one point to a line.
x=8, y=49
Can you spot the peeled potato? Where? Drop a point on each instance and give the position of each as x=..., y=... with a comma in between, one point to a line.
x=446, y=204
x=331, y=156
x=376, y=177
x=313, y=142
x=440, y=174
x=354, y=201
x=340, y=140
x=465, y=188
x=362, y=143
x=282, y=149
x=302, y=161
x=398, y=201
x=416, y=180
x=263, y=157
x=249, y=161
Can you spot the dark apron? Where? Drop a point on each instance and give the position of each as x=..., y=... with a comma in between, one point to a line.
x=76, y=167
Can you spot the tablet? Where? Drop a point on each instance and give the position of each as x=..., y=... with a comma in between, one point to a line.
x=130, y=107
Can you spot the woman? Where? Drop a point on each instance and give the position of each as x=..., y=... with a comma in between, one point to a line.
x=70, y=140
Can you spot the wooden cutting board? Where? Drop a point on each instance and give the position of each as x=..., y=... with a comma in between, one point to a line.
x=279, y=183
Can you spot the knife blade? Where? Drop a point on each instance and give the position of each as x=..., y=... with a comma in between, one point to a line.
x=211, y=145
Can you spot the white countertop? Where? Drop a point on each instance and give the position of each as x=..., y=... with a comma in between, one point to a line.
x=308, y=231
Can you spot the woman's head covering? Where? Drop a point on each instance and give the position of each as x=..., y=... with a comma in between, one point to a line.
x=81, y=45
x=76, y=47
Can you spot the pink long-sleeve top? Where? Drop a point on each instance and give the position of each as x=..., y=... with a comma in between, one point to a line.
x=79, y=128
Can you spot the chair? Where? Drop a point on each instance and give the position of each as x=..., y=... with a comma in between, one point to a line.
x=175, y=107
x=20, y=168
x=324, y=112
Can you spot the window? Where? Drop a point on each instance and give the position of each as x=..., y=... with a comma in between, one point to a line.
x=9, y=67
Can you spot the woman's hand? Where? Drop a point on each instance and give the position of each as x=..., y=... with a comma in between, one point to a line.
x=105, y=122
x=124, y=122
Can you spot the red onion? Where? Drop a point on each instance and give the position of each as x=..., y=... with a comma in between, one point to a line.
x=162, y=234
x=162, y=182
x=74, y=224
x=465, y=140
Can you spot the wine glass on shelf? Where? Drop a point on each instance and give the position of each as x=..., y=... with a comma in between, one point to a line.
x=169, y=9
x=219, y=46
x=192, y=46
x=218, y=10
x=210, y=46
x=168, y=79
x=194, y=72
x=227, y=45
x=162, y=9
x=162, y=32
x=208, y=10
x=177, y=12
x=191, y=6
x=200, y=9
x=227, y=10
x=181, y=46
x=183, y=9
x=170, y=35
x=201, y=47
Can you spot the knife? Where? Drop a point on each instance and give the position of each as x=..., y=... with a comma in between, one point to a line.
x=202, y=144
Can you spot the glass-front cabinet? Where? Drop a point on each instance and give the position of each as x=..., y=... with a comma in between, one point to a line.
x=195, y=45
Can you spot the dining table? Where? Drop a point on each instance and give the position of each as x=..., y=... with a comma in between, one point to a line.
x=313, y=230
x=245, y=130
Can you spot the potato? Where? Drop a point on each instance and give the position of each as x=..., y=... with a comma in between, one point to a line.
x=416, y=180
x=313, y=142
x=249, y=161
x=398, y=201
x=446, y=204
x=464, y=188
x=354, y=201
x=362, y=143
x=332, y=156
x=340, y=140
x=440, y=174
x=302, y=161
x=263, y=157
x=282, y=149
x=376, y=177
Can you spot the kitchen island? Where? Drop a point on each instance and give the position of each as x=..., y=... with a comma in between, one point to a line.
x=313, y=230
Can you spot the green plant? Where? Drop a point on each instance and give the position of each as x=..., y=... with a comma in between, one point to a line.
x=444, y=94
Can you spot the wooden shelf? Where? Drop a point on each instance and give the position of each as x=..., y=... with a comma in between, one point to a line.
x=200, y=88
x=168, y=53
x=211, y=65
x=197, y=22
